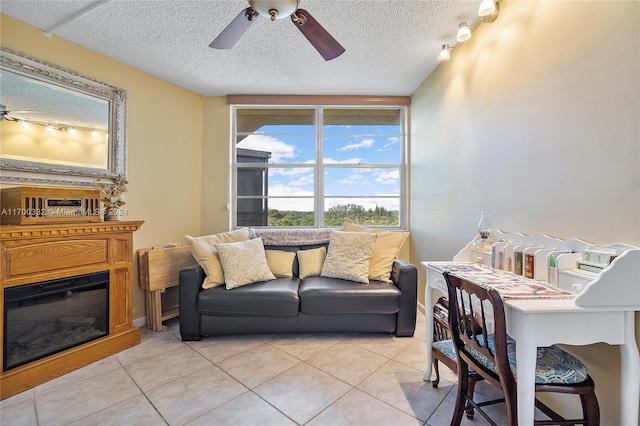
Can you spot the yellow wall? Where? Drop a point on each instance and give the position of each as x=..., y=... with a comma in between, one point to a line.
x=536, y=119
x=165, y=141
x=38, y=144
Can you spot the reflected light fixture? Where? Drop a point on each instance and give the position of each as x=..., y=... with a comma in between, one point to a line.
x=50, y=128
x=487, y=7
x=464, y=32
x=72, y=131
x=94, y=133
x=24, y=124
x=444, y=54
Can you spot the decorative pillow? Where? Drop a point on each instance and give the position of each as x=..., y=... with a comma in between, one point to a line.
x=349, y=256
x=244, y=263
x=310, y=262
x=203, y=250
x=388, y=246
x=280, y=262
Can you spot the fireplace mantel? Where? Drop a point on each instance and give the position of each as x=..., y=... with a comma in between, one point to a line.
x=34, y=253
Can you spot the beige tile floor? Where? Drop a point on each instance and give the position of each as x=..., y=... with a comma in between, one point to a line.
x=311, y=379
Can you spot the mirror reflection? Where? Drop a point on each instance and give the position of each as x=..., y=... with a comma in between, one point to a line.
x=58, y=127
x=45, y=123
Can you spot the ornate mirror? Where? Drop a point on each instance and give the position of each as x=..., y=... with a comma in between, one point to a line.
x=58, y=127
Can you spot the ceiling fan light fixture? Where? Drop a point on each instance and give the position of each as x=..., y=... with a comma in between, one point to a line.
x=464, y=32
x=274, y=9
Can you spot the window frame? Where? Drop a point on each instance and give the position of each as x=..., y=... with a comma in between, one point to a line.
x=319, y=167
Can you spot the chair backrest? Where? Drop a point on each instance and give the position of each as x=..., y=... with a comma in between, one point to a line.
x=473, y=343
x=441, y=320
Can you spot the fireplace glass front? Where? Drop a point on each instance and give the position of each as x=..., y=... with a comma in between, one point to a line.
x=44, y=318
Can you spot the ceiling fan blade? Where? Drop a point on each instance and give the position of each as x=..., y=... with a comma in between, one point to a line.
x=236, y=29
x=324, y=43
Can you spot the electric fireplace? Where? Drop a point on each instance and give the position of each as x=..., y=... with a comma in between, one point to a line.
x=45, y=318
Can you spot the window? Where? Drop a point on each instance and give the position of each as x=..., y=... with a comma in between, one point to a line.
x=314, y=167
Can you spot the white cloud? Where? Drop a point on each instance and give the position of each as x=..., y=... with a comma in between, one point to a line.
x=347, y=161
x=279, y=150
x=388, y=177
x=297, y=204
x=366, y=143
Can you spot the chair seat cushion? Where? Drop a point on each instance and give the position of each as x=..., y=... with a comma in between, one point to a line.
x=553, y=365
x=446, y=348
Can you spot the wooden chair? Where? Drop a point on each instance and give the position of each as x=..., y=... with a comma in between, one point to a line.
x=492, y=356
x=442, y=349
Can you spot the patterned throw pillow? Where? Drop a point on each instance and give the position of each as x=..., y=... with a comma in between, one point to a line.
x=387, y=248
x=280, y=262
x=311, y=261
x=204, y=252
x=244, y=263
x=349, y=256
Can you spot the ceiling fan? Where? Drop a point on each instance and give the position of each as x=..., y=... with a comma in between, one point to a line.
x=323, y=42
x=4, y=113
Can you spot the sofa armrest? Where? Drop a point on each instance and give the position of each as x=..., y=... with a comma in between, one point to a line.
x=405, y=276
x=190, y=285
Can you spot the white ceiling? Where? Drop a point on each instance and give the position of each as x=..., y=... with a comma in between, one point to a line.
x=391, y=45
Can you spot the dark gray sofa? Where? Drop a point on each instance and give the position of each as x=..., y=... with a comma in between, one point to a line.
x=291, y=305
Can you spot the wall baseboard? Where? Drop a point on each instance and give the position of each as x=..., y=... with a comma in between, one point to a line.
x=142, y=321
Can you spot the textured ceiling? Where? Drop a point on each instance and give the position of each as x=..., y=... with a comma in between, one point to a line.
x=391, y=45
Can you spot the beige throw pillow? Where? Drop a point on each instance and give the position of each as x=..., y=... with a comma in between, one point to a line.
x=349, y=256
x=244, y=263
x=281, y=262
x=203, y=250
x=310, y=262
x=387, y=248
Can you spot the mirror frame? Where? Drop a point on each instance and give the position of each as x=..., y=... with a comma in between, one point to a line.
x=22, y=172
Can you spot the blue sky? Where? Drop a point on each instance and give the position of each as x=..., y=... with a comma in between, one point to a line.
x=342, y=145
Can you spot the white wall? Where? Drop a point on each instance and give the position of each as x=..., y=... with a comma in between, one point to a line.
x=535, y=119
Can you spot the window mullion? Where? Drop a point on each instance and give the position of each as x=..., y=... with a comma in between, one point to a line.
x=319, y=178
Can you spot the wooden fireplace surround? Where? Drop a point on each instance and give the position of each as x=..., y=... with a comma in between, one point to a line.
x=34, y=253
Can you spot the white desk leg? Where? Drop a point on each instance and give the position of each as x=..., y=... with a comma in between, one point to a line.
x=428, y=316
x=526, y=354
x=629, y=374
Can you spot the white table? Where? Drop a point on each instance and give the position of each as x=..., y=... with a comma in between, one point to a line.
x=543, y=322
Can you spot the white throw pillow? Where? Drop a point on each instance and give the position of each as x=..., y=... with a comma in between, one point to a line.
x=349, y=256
x=203, y=250
x=244, y=263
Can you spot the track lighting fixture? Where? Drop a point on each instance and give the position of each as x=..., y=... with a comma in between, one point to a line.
x=487, y=7
x=464, y=32
x=488, y=12
x=444, y=54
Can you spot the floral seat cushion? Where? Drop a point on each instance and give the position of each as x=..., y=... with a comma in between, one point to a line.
x=446, y=347
x=553, y=365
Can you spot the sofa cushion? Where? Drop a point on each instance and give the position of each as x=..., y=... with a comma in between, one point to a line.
x=244, y=263
x=310, y=262
x=280, y=262
x=203, y=250
x=388, y=245
x=348, y=256
x=276, y=298
x=322, y=295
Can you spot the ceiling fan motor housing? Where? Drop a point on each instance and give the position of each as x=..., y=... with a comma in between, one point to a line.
x=274, y=9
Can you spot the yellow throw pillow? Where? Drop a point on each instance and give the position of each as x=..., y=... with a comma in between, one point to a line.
x=244, y=263
x=349, y=256
x=203, y=250
x=310, y=262
x=280, y=262
x=387, y=248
